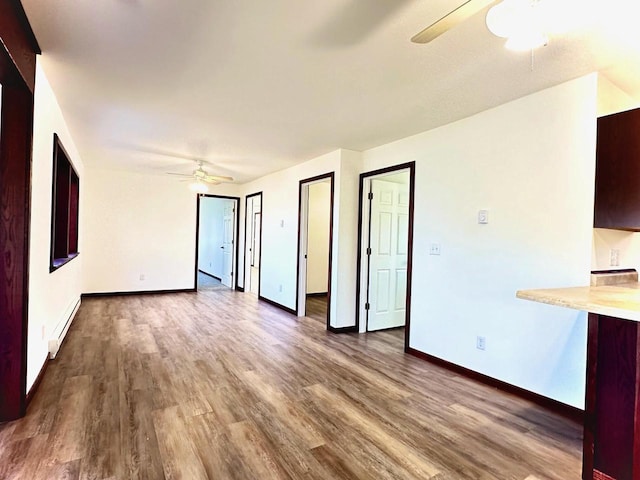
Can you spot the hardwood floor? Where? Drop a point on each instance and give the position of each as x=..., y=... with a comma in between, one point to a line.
x=316, y=308
x=217, y=385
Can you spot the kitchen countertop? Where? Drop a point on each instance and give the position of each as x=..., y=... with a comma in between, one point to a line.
x=621, y=301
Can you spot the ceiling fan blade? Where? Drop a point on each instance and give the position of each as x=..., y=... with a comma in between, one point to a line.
x=180, y=174
x=450, y=20
x=219, y=178
x=210, y=181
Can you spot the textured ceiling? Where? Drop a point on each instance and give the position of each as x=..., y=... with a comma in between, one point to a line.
x=254, y=86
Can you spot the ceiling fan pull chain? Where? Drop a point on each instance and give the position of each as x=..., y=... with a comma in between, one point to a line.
x=532, y=57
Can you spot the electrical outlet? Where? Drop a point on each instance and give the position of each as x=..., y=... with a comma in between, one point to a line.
x=43, y=332
x=481, y=343
x=142, y=277
x=483, y=217
x=614, y=257
x=280, y=288
x=435, y=249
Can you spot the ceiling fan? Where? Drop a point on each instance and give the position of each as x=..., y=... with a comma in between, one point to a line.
x=525, y=24
x=200, y=177
x=450, y=20
x=460, y=14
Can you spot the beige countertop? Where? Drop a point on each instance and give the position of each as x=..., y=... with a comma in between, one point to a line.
x=622, y=301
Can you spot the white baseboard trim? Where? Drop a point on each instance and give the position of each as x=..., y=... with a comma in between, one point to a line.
x=56, y=343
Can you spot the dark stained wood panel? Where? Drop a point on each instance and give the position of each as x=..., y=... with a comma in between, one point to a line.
x=617, y=188
x=17, y=76
x=18, y=40
x=61, y=209
x=612, y=417
x=15, y=190
x=615, y=397
x=74, y=199
x=217, y=384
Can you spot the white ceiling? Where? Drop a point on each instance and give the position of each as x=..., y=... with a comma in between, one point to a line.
x=255, y=86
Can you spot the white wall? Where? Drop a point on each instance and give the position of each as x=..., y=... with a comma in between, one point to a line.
x=280, y=231
x=318, y=237
x=138, y=225
x=531, y=163
x=627, y=244
x=612, y=99
x=52, y=296
x=280, y=225
x=211, y=233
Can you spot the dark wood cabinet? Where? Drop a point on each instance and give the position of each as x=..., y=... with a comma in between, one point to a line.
x=612, y=407
x=617, y=189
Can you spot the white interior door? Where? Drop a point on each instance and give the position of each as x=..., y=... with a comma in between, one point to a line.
x=388, y=256
x=228, y=222
x=255, y=251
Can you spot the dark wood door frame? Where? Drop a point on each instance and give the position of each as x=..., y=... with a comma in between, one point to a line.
x=306, y=181
x=18, y=49
x=411, y=166
x=246, y=221
x=236, y=253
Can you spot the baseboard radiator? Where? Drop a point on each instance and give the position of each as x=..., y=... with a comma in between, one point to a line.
x=56, y=342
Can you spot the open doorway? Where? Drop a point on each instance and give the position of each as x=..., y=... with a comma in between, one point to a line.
x=315, y=239
x=385, y=249
x=216, y=250
x=252, y=243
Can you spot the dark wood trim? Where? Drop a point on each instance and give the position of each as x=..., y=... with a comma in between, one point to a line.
x=412, y=192
x=239, y=288
x=411, y=166
x=236, y=239
x=588, y=437
x=351, y=329
x=277, y=305
x=317, y=294
x=36, y=384
x=244, y=244
x=137, y=292
x=209, y=275
x=567, y=411
x=236, y=245
x=195, y=274
x=619, y=270
x=246, y=221
x=18, y=40
x=16, y=137
x=261, y=245
x=301, y=184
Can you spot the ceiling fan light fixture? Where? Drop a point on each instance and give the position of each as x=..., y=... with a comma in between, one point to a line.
x=520, y=22
x=198, y=187
x=502, y=19
x=526, y=41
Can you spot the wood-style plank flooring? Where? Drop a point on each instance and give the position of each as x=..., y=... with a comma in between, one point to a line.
x=215, y=385
x=316, y=308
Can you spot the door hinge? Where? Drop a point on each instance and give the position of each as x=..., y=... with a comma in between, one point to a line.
x=370, y=196
x=367, y=306
x=368, y=250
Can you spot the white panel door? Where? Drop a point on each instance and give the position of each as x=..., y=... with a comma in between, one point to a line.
x=255, y=252
x=227, y=243
x=388, y=259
